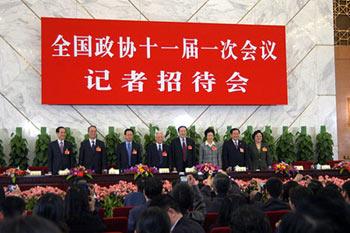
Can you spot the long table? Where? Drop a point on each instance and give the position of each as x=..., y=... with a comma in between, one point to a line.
x=27, y=182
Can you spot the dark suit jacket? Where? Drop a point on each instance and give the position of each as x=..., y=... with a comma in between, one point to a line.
x=176, y=150
x=93, y=158
x=134, y=199
x=88, y=222
x=232, y=156
x=185, y=225
x=156, y=159
x=134, y=215
x=58, y=161
x=123, y=158
x=259, y=159
x=275, y=204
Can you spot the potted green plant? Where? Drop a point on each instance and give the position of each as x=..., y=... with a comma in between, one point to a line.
x=70, y=138
x=2, y=155
x=196, y=137
x=304, y=145
x=227, y=135
x=324, y=146
x=19, y=150
x=270, y=141
x=171, y=134
x=41, y=148
x=247, y=135
x=112, y=140
x=285, y=147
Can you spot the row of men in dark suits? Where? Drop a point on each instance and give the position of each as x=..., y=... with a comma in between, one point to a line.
x=179, y=155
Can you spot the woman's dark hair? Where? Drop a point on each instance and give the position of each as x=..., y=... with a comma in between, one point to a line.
x=153, y=220
x=315, y=186
x=286, y=188
x=249, y=219
x=76, y=202
x=209, y=130
x=228, y=206
x=51, y=207
x=256, y=132
x=30, y=224
x=183, y=195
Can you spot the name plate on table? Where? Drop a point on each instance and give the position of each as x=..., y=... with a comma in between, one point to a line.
x=164, y=170
x=113, y=171
x=325, y=167
x=63, y=172
x=34, y=173
x=299, y=168
x=190, y=170
x=240, y=169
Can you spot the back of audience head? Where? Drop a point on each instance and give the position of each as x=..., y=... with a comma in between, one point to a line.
x=332, y=191
x=315, y=186
x=153, y=220
x=13, y=206
x=248, y=219
x=230, y=203
x=298, y=195
x=286, y=188
x=168, y=203
x=140, y=183
x=30, y=224
x=76, y=202
x=319, y=213
x=51, y=206
x=153, y=187
x=221, y=184
x=183, y=195
x=274, y=187
x=346, y=191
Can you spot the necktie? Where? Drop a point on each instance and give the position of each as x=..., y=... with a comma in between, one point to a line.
x=61, y=146
x=184, y=150
x=160, y=153
x=93, y=145
x=236, y=143
x=129, y=152
x=160, y=148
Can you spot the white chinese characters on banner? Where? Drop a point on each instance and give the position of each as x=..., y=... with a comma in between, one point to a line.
x=205, y=80
x=236, y=83
x=83, y=46
x=169, y=81
x=95, y=81
x=134, y=81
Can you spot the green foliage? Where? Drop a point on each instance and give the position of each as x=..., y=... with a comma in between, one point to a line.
x=196, y=137
x=19, y=150
x=70, y=138
x=216, y=137
x=304, y=146
x=247, y=135
x=137, y=135
x=41, y=148
x=112, y=140
x=110, y=202
x=2, y=155
x=227, y=135
x=270, y=141
x=285, y=149
x=171, y=134
x=324, y=146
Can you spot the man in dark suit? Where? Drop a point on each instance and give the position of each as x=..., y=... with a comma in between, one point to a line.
x=183, y=150
x=129, y=153
x=60, y=155
x=179, y=223
x=158, y=154
x=234, y=152
x=92, y=153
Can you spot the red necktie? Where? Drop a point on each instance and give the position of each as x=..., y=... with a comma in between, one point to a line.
x=184, y=150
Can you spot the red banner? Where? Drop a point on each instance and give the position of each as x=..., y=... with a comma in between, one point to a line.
x=88, y=61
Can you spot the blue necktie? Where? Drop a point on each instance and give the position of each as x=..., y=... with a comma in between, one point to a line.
x=128, y=148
